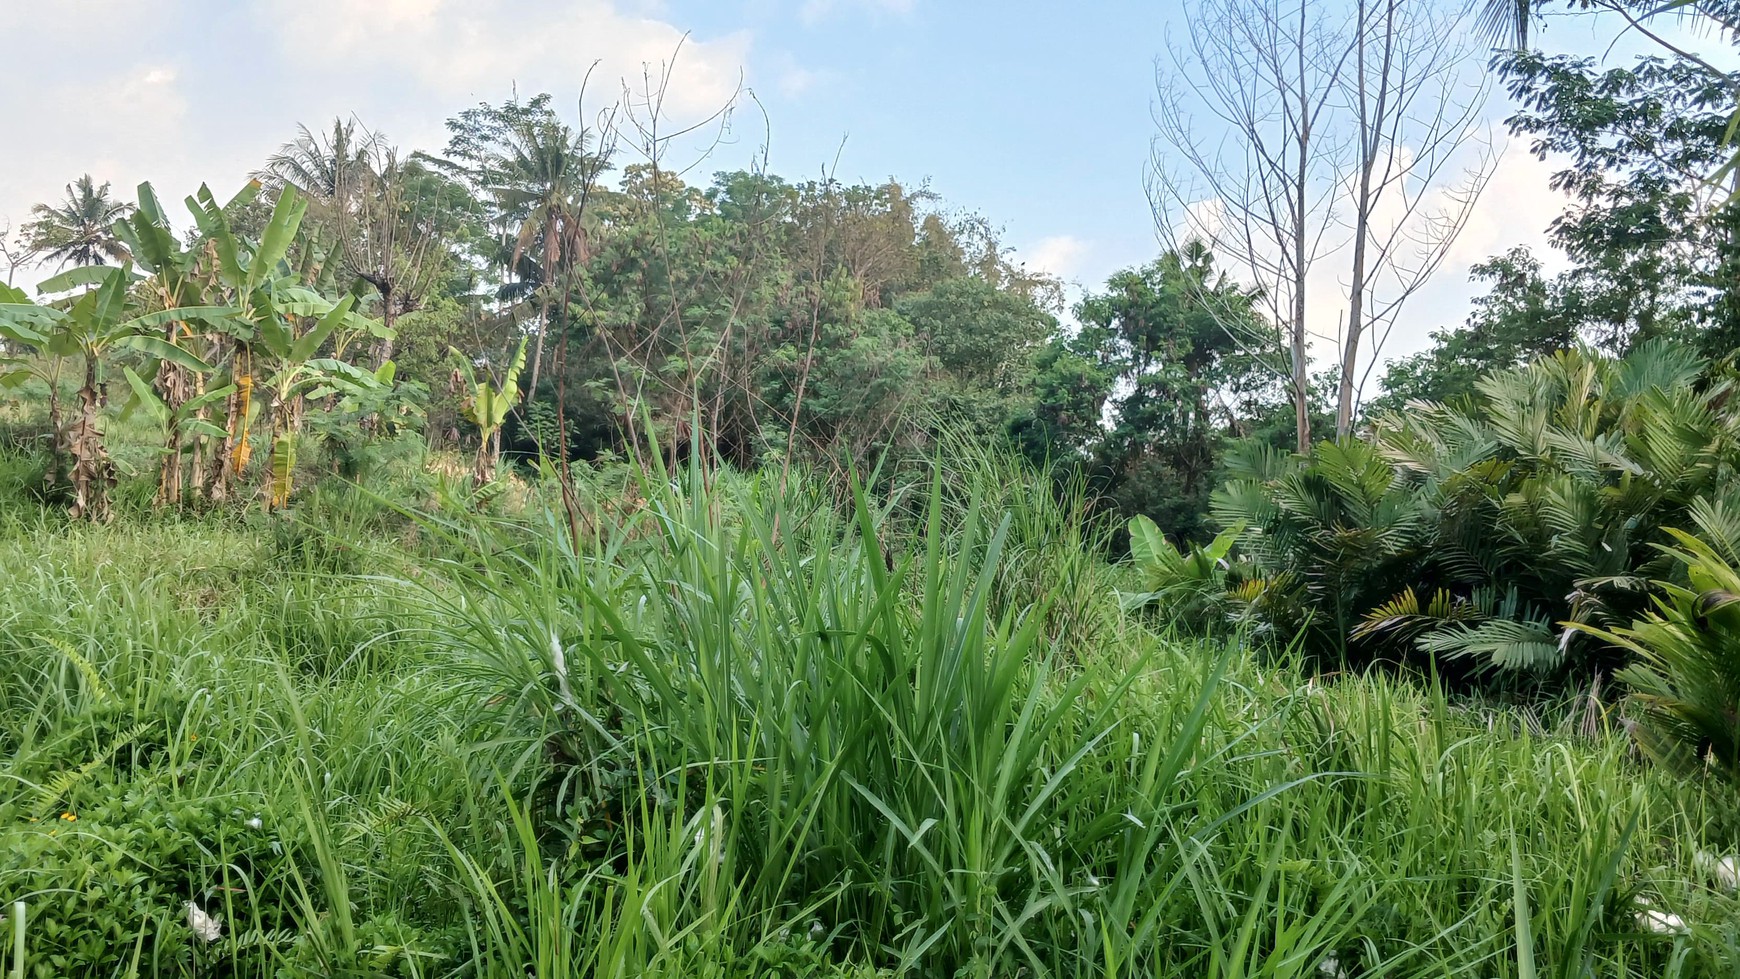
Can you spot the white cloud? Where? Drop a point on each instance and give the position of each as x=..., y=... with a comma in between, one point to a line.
x=141, y=108
x=1059, y=255
x=460, y=49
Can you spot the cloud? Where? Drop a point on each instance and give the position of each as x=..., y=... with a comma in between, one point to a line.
x=141, y=107
x=462, y=49
x=1059, y=255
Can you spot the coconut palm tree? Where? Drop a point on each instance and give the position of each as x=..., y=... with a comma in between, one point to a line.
x=79, y=229
x=540, y=179
x=1506, y=22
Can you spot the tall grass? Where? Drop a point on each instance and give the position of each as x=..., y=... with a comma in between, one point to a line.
x=739, y=728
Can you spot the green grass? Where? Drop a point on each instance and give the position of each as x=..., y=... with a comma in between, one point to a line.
x=747, y=730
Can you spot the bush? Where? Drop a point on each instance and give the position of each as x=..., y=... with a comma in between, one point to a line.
x=1485, y=535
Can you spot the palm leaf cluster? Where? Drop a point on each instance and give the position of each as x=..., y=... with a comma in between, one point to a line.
x=1490, y=532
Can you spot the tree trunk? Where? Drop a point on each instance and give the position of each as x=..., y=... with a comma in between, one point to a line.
x=538, y=347
x=173, y=383
x=488, y=452
x=383, y=351
x=56, y=432
x=1371, y=144
x=232, y=457
x=1301, y=381
x=92, y=472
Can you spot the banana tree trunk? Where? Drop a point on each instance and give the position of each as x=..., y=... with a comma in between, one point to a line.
x=92, y=473
x=174, y=384
x=232, y=457
x=488, y=456
x=56, y=433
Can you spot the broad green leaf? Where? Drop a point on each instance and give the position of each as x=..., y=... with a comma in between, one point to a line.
x=245, y=196
x=213, y=315
x=280, y=232
x=274, y=337
x=145, y=397
x=162, y=349
x=306, y=346
x=339, y=370
x=215, y=394
x=1146, y=542
x=84, y=275
x=215, y=224
x=199, y=426
x=111, y=302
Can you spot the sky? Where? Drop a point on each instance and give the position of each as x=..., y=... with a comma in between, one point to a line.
x=1036, y=115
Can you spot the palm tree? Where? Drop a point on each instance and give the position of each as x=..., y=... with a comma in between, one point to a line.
x=387, y=217
x=80, y=228
x=542, y=174
x=1506, y=22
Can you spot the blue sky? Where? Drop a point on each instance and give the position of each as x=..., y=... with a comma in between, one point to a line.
x=1036, y=115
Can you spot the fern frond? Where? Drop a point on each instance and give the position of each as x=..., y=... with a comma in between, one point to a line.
x=93, y=678
x=57, y=788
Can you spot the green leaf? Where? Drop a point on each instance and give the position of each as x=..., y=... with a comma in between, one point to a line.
x=84, y=275
x=280, y=232
x=244, y=197
x=212, y=315
x=216, y=394
x=199, y=426
x=154, y=346
x=339, y=370
x=310, y=342
x=1147, y=544
x=145, y=397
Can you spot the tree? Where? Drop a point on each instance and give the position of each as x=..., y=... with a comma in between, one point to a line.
x=79, y=229
x=14, y=252
x=88, y=325
x=1355, y=123
x=539, y=175
x=1655, y=247
x=1263, y=198
x=1522, y=317
x=1412, y=121
x=485, y=404
x=391, y=221
x=1177, y=384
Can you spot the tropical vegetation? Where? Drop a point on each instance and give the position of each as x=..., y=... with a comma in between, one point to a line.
x=505, y=559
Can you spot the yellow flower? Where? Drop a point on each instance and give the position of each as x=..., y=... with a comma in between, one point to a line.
x=69, y=817
x=193, y=737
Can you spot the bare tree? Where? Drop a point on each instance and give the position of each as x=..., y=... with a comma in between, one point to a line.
x=14, y=252
x=1421, y=159
x=1268, y=73
x=387, y=218
x=1349, y=141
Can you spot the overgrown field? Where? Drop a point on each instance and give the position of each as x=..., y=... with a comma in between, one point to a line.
x=740, y=730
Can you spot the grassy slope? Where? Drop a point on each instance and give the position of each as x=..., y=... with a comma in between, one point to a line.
x=732, y=737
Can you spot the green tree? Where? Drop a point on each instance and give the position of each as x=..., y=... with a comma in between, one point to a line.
x=539, y=176
x=1655, y=250
x=79, y=229
x=1169, y=339
x=1522, y=317
x=90, y=324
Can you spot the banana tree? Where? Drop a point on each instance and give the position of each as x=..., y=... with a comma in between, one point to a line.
x=181, y=423
x=24, y=331
x=292, y=371
x=486, y=405
x=179, y=277
x=247, y=277
x=89, y=325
